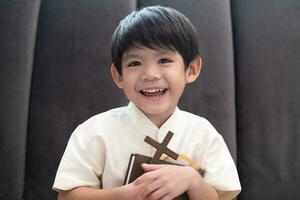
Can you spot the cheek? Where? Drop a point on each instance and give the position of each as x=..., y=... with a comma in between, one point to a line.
x=176, y=80
x=176, y=76
x=129, y=82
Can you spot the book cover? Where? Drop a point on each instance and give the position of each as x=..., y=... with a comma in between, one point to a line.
x=135, y=170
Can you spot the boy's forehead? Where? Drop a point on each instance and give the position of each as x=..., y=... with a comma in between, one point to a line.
x=140, y=49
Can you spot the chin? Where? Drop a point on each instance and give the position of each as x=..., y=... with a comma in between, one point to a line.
x=155, y=110
x=152, y=110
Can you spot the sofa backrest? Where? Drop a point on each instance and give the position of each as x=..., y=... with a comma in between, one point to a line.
x=55, y=73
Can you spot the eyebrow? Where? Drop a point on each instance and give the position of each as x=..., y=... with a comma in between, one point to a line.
x=165, y=51
x=159, y=52
x=130, y=55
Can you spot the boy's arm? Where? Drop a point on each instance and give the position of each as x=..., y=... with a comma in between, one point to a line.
x=126, y=192
x=169, y=181
x=199, y=189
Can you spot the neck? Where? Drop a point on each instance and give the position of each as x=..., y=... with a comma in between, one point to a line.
x=159, y=119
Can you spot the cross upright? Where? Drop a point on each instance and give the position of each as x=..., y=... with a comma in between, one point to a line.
x=161, y=147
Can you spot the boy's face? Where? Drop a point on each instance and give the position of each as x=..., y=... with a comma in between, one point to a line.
x=154, y=80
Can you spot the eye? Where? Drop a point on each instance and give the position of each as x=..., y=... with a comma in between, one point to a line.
x=164, y=60
x=134, y=64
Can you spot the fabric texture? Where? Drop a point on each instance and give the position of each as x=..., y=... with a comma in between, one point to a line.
x=70, y=81
x=268, y=96
x=54, y=74
x=101, y=147
x=18, y=26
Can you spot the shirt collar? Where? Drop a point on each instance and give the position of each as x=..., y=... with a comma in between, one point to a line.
x=172, y=124
x=147, y=127
x=141, y=121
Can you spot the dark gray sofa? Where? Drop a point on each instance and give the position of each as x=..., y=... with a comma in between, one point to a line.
x=54, y=74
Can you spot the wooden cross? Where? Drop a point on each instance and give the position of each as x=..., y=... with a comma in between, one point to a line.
x=161, y=148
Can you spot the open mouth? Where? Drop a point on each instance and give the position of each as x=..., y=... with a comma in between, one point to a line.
x=157, y=92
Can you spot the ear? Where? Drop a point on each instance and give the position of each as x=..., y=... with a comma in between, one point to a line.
x=193, y=70
x=116, y=76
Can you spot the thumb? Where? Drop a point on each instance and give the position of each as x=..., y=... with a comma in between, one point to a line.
x=150, y=167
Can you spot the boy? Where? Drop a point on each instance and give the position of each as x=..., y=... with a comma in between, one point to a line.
x=154, y=54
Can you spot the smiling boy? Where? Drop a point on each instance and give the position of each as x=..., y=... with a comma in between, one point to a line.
x=154, y=55
x=154, y=79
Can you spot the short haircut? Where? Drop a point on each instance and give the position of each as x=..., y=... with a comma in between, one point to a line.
x=155, y=27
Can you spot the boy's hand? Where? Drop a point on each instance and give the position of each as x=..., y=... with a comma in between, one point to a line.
x=164, y=182
x=131, y=191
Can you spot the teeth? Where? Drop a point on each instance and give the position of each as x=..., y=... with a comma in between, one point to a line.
x=153, y=90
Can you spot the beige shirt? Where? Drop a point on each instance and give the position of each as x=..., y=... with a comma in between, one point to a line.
x=102, y=145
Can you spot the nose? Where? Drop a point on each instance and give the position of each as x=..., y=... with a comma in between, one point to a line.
x=150, y=73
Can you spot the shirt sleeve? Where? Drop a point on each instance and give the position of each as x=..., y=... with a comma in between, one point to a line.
x=221, y=172
x=82, y=162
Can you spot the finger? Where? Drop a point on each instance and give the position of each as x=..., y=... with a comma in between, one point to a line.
x=140, y=181
x=158, y=194
x=141, y=184
x=139, y=190
x=151, y=167
x=166, y=197
x=149, y=176
x=147, y=191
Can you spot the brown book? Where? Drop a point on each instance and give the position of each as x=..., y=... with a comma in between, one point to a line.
x=135, y=170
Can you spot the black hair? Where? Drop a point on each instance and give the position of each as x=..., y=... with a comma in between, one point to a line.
x=153, y=27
